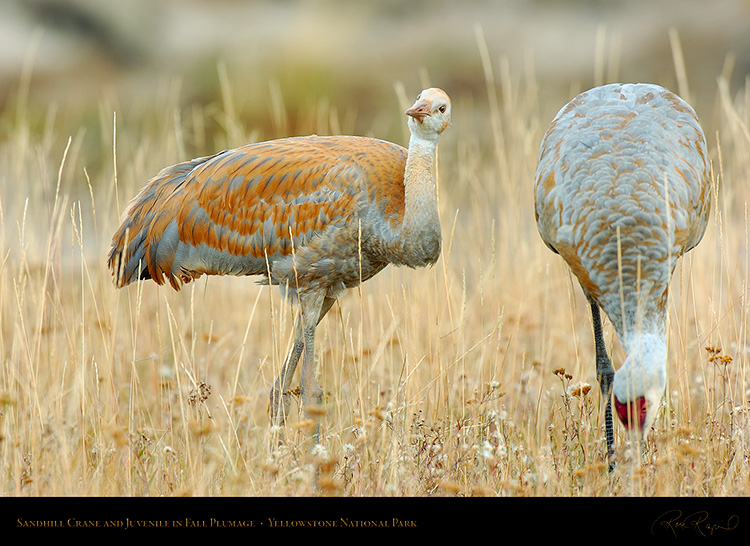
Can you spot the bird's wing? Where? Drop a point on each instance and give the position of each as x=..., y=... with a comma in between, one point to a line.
x=627, y=161
x=236, y=211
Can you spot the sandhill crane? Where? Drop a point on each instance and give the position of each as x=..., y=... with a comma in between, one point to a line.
x=622, y=191
x=314, y=215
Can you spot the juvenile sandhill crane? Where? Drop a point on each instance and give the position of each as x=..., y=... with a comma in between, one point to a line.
x=314, y=215
x=622, y=191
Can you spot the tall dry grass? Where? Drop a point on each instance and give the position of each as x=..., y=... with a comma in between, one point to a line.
x=469, y=378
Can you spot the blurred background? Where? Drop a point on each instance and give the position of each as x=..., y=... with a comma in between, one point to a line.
x=348, y=54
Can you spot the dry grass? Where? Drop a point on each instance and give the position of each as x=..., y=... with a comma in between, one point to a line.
x=466, y=379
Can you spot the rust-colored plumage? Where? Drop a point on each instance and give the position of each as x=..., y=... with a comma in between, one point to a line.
x=315, y=215
x=622, y=191
x=228, y=213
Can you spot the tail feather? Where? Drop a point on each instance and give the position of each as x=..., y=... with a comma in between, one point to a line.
x=144, y=246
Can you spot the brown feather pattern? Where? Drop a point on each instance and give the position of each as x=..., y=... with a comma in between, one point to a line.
x=255, y=202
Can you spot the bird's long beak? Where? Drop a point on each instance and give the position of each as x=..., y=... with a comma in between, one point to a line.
x=419, y=111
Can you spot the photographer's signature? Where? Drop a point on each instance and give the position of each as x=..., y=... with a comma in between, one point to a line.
x=697, y=522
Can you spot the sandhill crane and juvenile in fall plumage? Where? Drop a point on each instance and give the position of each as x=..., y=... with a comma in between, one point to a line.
x=622, y=191
x=314, y=215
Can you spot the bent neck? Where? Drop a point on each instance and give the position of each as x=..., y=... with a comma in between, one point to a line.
x=650, y=341
x=644, y=372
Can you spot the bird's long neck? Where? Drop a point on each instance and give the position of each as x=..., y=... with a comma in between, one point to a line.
x=636, y=313
x=652, y=342
x=420, y=237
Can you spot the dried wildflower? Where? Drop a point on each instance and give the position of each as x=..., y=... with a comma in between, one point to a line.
x=717, y=357
x=579, y=389
x=170, y=453
x=487, y=450
x=320, y=452
x=294, y=392
x=199, y=394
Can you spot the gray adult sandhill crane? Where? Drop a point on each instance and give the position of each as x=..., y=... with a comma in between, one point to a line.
x=622, y=191
x=314, y=215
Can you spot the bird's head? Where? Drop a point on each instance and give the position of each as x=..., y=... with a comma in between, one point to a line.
x=639, y=386
x=430, y=115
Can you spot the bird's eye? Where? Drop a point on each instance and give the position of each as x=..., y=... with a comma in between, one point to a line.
x=442, y=109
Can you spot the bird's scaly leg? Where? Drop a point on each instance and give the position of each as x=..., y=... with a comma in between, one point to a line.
x=280, y=395
x=304, y=344
x=605, y=373
x=313, y=311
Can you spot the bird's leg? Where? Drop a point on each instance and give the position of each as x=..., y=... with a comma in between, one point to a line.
x=605, y=373
x=304, y=340
x=313, y=309
x=280, y=396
